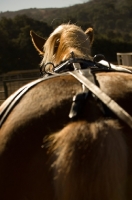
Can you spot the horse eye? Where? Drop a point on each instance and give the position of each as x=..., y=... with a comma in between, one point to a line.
x=58, y=40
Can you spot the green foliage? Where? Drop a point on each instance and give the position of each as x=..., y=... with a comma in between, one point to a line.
x=16, y=48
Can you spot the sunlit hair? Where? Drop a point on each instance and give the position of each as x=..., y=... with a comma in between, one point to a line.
x=65, y=39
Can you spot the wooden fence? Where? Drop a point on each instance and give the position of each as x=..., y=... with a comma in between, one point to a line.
x=11, y=82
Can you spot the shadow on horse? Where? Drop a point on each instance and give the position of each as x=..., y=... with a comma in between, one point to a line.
x=58, y=140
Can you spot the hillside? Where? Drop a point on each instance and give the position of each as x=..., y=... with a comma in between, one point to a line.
x=38, y=14
x=112, y=17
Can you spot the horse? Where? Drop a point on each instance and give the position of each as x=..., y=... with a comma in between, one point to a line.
x=58, y=141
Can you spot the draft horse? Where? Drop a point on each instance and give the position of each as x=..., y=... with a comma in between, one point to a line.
x=58, y=140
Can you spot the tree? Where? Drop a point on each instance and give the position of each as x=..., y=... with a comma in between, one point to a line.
x=16, y=48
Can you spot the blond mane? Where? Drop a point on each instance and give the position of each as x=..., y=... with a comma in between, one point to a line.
x=65, y=39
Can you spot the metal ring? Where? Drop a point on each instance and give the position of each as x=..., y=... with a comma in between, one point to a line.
x=48, y=63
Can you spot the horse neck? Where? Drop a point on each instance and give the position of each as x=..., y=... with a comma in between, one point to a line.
x=70, y=52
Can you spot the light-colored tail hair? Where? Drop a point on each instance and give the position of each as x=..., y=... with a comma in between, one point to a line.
x=89, y=161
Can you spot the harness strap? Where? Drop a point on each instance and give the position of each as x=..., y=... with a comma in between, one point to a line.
x=86, y=80
x=16, y=97
x=110, y=103
x=79, y=99
x=77, y=105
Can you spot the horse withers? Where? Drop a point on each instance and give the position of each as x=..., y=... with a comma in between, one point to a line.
x=46, y=155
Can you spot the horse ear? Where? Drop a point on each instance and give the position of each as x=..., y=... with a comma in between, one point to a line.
x=90, y=33
x=38, y=42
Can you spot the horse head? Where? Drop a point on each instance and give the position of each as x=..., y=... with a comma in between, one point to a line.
x=65, y=39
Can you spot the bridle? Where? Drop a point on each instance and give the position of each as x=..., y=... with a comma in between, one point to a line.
x=84, y=71
x=69, y=65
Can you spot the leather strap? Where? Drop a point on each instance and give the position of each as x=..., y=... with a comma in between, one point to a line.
x=110, y=103
x=15, y=98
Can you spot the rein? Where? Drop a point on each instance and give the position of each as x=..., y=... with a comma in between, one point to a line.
x=85, y=79
x=79, y=69
x=16, y=97
x=111, y=104
x=69, y=65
